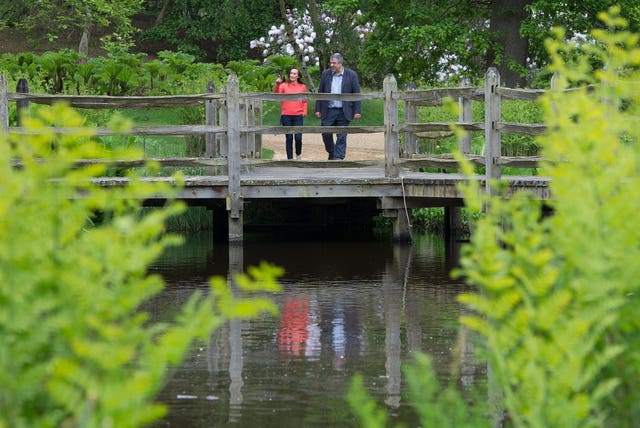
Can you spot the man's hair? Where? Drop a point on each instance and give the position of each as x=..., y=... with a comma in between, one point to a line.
x=337, y=57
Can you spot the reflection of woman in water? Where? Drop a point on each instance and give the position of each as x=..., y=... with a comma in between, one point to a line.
x=293, y=332
x=292, y=112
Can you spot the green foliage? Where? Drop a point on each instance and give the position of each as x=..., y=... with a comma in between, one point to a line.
x=213, y=30
x=436, y=406
x=77, y=349
x=557, y=293
x=557, y=296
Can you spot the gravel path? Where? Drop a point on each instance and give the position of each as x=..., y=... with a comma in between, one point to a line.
x=359, y=146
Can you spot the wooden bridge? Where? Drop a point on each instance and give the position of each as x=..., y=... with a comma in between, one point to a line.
x=236, y=173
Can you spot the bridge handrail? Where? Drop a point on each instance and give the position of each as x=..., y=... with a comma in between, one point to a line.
x=248, y=126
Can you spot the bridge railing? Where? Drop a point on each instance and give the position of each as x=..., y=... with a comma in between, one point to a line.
x=234, y=128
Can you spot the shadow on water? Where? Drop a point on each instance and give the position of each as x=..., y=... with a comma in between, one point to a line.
x=346, y=307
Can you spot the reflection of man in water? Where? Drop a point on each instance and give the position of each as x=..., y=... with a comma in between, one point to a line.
x=293, y=332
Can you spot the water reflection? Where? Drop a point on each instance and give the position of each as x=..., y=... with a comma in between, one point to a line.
x=346, y=308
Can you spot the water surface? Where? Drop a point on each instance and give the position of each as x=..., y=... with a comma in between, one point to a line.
x=346, y=307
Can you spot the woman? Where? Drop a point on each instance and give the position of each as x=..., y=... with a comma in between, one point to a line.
x=292, y=112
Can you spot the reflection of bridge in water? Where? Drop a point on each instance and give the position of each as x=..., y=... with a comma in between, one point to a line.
x=329, y=335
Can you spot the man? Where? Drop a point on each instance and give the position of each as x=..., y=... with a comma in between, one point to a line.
x=337, y=80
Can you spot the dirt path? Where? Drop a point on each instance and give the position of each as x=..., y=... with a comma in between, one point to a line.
x=359, y=146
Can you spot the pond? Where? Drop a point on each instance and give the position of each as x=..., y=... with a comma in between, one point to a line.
x=346, y=307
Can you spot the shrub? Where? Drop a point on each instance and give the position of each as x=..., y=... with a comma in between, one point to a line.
x=77, y=349
x=557, y=295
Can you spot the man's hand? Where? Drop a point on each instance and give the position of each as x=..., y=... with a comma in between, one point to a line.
x=357, y=116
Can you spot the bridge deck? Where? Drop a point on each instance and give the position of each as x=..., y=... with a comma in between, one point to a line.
x=269, y=182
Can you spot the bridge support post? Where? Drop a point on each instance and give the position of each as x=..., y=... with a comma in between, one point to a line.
x=395, y=209
x=391, y=144
x=234, y=196
x=452, y=223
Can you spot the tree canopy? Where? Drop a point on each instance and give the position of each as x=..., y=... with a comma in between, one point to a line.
x=420, y=42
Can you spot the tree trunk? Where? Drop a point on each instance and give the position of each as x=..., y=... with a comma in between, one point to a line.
x=83, y=48
x=296, y=48
x=318, y=28
x=166, y=6
x=509, y=50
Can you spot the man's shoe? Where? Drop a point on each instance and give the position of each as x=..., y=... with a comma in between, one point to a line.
x=299, y=157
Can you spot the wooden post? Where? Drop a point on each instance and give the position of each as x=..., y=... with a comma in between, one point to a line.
x=4, y=104
x=244, y=137
x=251, y=136
x=410, y=138
x=391, y=151
x=234, y=198
x=465, y=116
x=224, y=138
x=22, y=105
x=211, y=118
x=491, y=131
x=453, y=215
x=257, y=113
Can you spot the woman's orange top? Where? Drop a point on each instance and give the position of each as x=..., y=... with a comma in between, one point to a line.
x=292, y=108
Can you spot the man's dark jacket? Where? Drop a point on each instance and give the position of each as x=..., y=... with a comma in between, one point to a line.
x=350, y=85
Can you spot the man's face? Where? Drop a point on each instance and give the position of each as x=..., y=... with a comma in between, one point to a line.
x=335, y=66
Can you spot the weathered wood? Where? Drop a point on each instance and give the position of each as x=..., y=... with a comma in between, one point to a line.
x=410, y=138
x=103, y=102
x=522, y=128
x=440, y=126
x=211, y=119
x=434, y=97
x=276, y=130
x=22, y=106
x=136, y=130
x=273, y=96
x=446, y=161
x=491, y=131
x=4, y=104
x=465, y=116
x=257, y=121
x=234, y=198
x=520, y=94
x=391, y=149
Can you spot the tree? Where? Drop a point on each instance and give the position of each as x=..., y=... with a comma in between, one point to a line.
x=78, y=349
x=508, y=50
x=77, y=18
x=213, y=30
x=431, y=41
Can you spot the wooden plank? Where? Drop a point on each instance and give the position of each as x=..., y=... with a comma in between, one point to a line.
x=523, y=128
x=136, y=130
x=434, y=97
x=271, y=96
x=101, y=102
x=440, y=126
x=520, y=94
x=276, y=130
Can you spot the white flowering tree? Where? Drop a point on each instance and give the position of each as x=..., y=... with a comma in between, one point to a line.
x=312, y=34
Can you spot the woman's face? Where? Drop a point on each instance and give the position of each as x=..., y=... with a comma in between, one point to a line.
x=293, y=75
